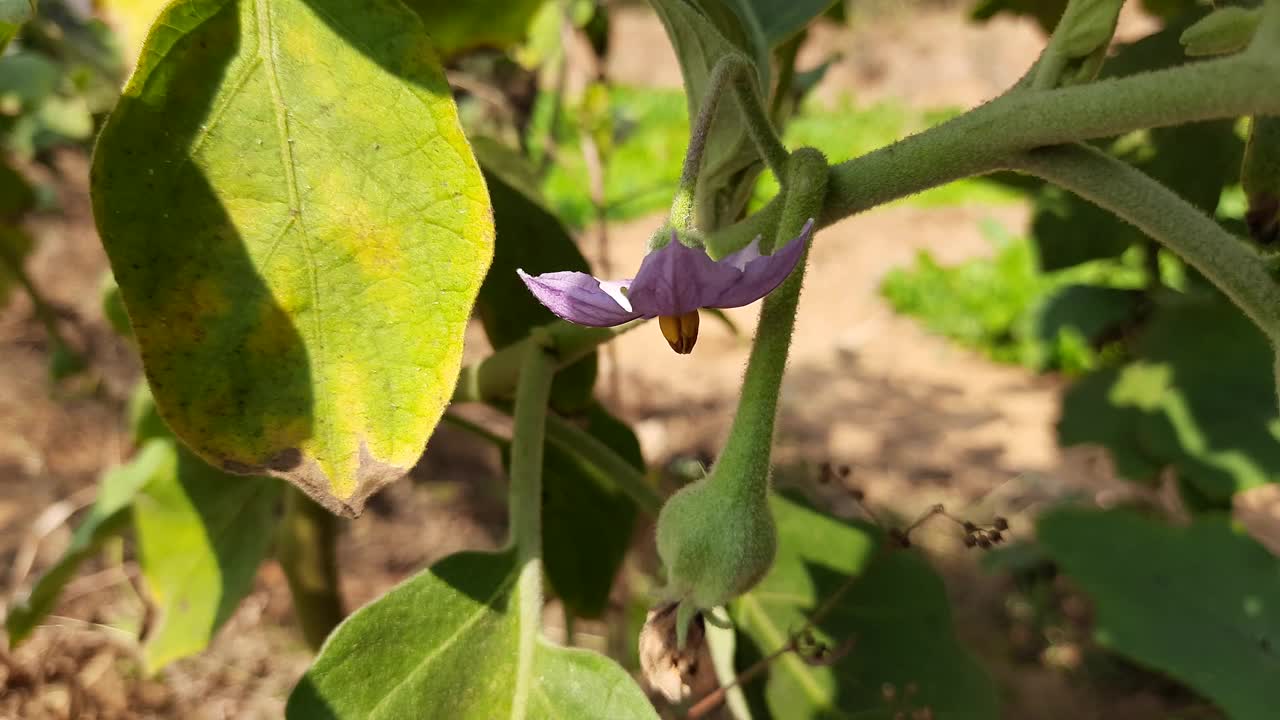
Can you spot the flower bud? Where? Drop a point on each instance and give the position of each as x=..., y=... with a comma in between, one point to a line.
x=715, y=541
x=1225, y=30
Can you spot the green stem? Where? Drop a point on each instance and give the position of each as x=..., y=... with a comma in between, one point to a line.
x=746, y=453
x=738, y=71
x=494, y=378
x=306, y=547
x=785, y=60
x=1228, y=262
x=759, y=125
x=981, y=140
x=475, y=429
x=527, y=435
x=573, y=440
x=525, y=506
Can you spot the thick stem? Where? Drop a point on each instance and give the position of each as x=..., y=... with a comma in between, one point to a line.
x=527, y=435
x=1228, y=262
x=979, y=141
x=306, y=547
x=744, y=461
x=525, y=506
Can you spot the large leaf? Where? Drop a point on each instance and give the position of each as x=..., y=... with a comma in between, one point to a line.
x=444, y=644
x=458, y=26
x=1201, y=398
x=1201, y=603
x=107, y=516
x=702, y=32
x=131, y=19
x=299, y=229
x=586, y=520
x=780, y=19
x=201, y=536
x=529, y=237
x=896, y=614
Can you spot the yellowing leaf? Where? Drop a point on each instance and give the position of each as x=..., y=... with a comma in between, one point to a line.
x=299, y=230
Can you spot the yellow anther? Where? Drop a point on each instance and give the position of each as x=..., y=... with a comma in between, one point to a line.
x=681, y=331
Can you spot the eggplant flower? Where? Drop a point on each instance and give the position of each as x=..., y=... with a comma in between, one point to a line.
x=672, y=284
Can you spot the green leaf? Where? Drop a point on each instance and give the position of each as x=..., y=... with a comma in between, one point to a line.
x=460, y=26
x=587, y=521
x=702, y=32
x=299, y=230
x=107, y=516
x=13, y=13
x=528, y=237
x=780, y=19
x=895, y=612
x=1201, y=603
x=1206, y=407
x=1091, y=313
x=201, y=536
x=444, y=643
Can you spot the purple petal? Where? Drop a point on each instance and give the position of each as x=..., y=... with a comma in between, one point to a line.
x=761, y=273
x=579, y=298
x=677, y=279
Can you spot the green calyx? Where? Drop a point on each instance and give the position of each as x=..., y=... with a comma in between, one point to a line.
x=717, y=539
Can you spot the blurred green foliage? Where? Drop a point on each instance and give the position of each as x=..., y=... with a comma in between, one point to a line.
x=1007, y=308
x=651, y=131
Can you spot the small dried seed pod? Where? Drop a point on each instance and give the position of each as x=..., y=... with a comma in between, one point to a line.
x=677, y=674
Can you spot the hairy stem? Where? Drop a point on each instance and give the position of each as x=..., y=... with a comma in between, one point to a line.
x=1228, y=262
x=306, y=547
x=981, y=140
x=746, y=453
x=735, y=70
x=527, y=435
x=525, y=507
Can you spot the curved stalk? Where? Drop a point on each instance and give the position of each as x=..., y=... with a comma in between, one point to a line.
x=1228, y=262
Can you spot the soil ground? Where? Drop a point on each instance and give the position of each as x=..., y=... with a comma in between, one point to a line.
x=917, y=420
